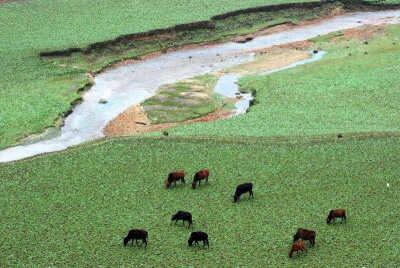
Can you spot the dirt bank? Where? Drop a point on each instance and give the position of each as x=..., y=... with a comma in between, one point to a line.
x=135, y=121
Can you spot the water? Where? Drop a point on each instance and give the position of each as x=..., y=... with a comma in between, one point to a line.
x=131, y=84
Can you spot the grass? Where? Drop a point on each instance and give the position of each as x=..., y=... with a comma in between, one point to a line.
x=183, y=100
x=74, y=207
x=340, y=93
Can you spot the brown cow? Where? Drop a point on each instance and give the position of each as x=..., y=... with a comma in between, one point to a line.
x=175, y=176
x=305, y=234
x=200, y=175
x=336, y=213
x=298, y=246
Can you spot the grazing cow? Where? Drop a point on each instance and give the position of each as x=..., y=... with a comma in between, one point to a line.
x=184, y=216
x=136, y=234
x=336, y=213
x=305, y=235
x=243, y=188
x=198, y=236
x=200, y=175
x=298, y=246
x=175, y=176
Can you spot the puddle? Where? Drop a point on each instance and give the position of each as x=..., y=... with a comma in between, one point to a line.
x=129, y=85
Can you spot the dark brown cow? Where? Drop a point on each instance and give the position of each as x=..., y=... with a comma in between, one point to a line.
x=175, y=176
x=199, y=176
x=298, y=246
x=336, y=213
x=305, y=234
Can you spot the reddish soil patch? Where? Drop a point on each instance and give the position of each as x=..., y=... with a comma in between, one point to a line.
x=135, y=121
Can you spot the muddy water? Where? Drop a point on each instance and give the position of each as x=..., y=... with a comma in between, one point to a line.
x=131, y=84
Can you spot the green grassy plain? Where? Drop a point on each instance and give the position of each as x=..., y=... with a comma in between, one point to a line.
x=73, y=208
x=347, y=91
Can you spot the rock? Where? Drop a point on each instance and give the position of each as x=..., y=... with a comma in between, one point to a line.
x=340, y=135
x=243, y=39
x=103, y=101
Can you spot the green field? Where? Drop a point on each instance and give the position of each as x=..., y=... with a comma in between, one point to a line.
x=340, y=93
x=74, y=208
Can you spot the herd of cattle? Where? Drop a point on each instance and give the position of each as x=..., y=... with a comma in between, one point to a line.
x=199, y=236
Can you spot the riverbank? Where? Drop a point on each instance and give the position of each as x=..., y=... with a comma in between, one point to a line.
x=45, y=91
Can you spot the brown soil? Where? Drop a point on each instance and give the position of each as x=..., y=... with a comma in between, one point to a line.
x=135, y=121
x=271, y=59
x=361, y=33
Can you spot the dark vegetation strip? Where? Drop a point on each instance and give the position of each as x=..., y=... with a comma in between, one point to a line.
x=124, y=39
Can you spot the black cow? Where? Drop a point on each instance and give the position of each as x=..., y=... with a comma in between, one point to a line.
x=243, y=188
x=184, y=216
x=198, y=236
x=136, y=234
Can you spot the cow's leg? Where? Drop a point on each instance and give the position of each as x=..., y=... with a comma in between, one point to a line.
x=251, y=193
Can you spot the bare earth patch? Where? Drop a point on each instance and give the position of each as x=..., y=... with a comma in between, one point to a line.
x=271, y=59
x=361, y=33
x=135, y=121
